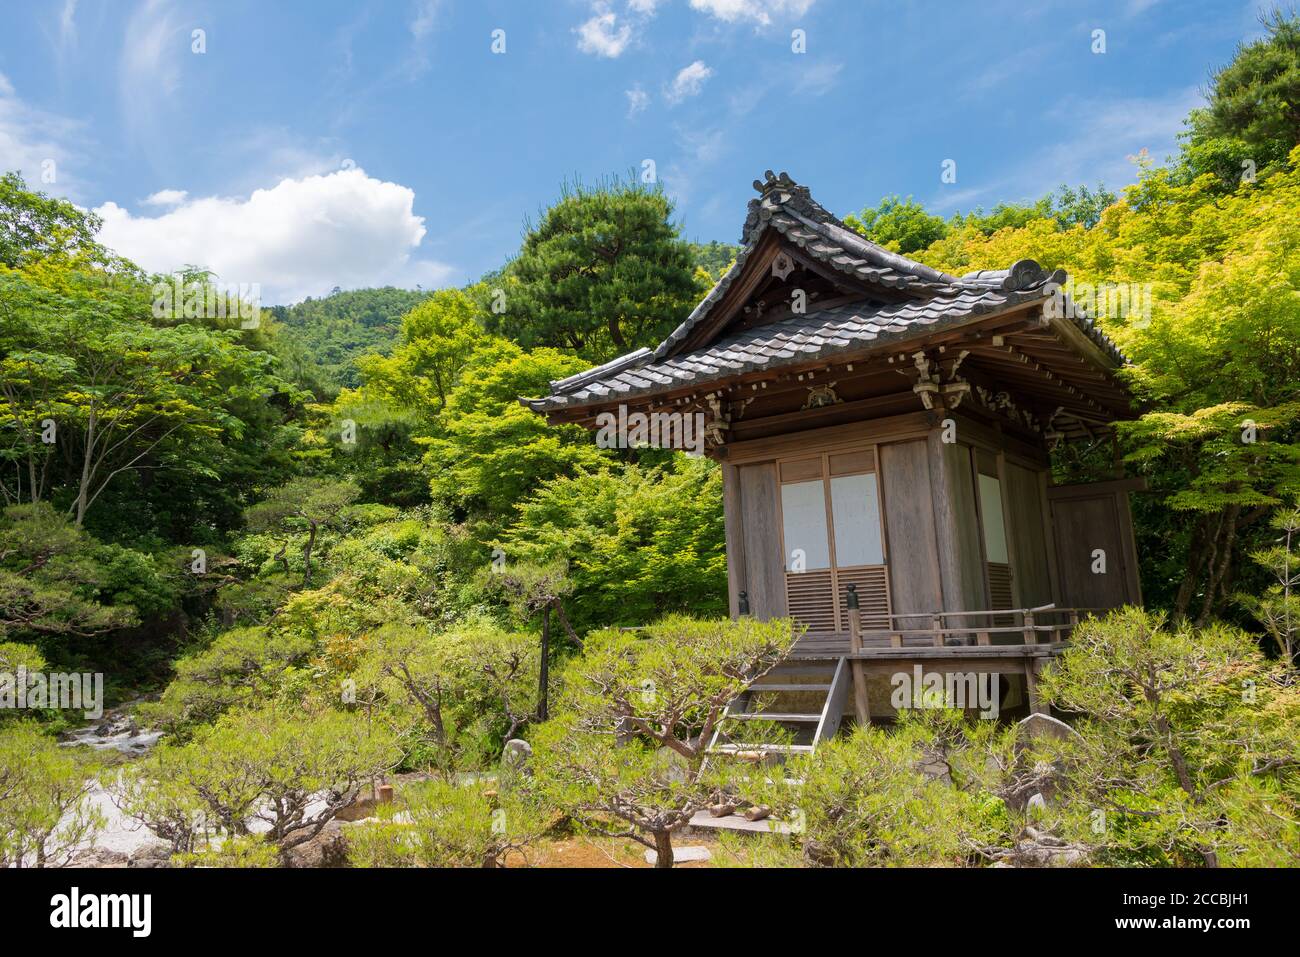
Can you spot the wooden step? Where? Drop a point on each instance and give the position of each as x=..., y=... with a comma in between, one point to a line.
x=820, y=689
x=775, y=716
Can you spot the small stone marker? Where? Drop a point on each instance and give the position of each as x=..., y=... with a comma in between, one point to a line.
x=516, y=754
x=682, y=855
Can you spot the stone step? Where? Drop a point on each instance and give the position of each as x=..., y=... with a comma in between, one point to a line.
x=764, y=748
x=735, y=822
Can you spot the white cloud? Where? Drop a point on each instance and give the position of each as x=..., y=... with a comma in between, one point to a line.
x=689, y=81
x=602, y=36
x=301, y=237
x=35, y=143
x=166, y=197
x=818, y=78
x=637, y=99
x=760, y=12
x=68, y=23
x=644, y=7
x=425, y=19
x=154, y=45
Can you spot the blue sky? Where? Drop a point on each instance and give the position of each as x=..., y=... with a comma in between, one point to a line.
x=314, y=144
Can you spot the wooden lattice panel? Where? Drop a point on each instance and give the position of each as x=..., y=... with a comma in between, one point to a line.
x=810, y=598
x=1000, y=595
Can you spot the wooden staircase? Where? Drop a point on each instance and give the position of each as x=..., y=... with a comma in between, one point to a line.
x=805, y=698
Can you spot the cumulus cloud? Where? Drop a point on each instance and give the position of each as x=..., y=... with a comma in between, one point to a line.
x=689, y=81
x=299, y=238
x=602, y=34
x=760, y=12
x=166, y=197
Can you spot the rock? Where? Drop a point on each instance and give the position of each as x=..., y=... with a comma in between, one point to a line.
x=682, y=855
x=516, y=761
x=1039, y=848
x=721, y=810
x=517, y=752
x=1043, y=726
x=329, y=848
x=758, y=812
x=151, y=855
x=98, y=857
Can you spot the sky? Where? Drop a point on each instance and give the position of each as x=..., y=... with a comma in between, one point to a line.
x=304, y=145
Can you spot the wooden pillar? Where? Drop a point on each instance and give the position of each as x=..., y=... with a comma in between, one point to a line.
x=861, y=705
x=1036, y=705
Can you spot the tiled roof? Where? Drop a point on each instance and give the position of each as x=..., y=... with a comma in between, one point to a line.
x=940, y=300
x=798, y=339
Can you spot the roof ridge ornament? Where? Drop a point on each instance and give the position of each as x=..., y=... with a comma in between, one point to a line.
x=777, y=190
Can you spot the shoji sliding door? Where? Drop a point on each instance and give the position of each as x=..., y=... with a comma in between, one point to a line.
x=832, y=536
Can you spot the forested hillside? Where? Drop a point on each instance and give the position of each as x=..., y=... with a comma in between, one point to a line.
x=332, y=332
x=339, y=535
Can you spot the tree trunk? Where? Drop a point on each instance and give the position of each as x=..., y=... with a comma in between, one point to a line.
x=544, y=669
x=306, y=554
x=84, y=487
x=1220, y=559
x=663, y=848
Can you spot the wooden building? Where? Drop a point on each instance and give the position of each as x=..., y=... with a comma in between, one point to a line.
x=884, y=430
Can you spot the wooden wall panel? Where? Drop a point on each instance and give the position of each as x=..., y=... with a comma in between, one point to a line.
x=957, y=528
x=1026, y=525
x=735, y=531
x=764, y=575
x=1086, y=519
x=910, y=528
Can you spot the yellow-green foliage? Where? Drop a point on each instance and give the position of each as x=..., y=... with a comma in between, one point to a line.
x=442, y=824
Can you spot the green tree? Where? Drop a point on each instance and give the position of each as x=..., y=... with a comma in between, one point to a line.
x=455, y=697
x=292, y=772
x=44, y=812
x=35, y=226
x=640, y=541
x=902, y=225
x=325, y=338
x=305, y=502
x=444, y=824
x=1278, y=608
x=55, y=580
x=1183, y=729
x=488, y=451
x=602, y=273
x=625, y=752
x=1251, y=120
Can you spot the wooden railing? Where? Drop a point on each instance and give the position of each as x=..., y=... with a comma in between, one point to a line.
x=1045, y=624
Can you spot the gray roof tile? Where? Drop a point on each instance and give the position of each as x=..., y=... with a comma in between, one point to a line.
x=940, y=299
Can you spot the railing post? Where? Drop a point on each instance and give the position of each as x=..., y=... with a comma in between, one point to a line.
x=861, y=705
x=936, y=622
x=1031, y=636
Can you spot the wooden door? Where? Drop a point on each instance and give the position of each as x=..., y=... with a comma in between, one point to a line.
x=1095, y=553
